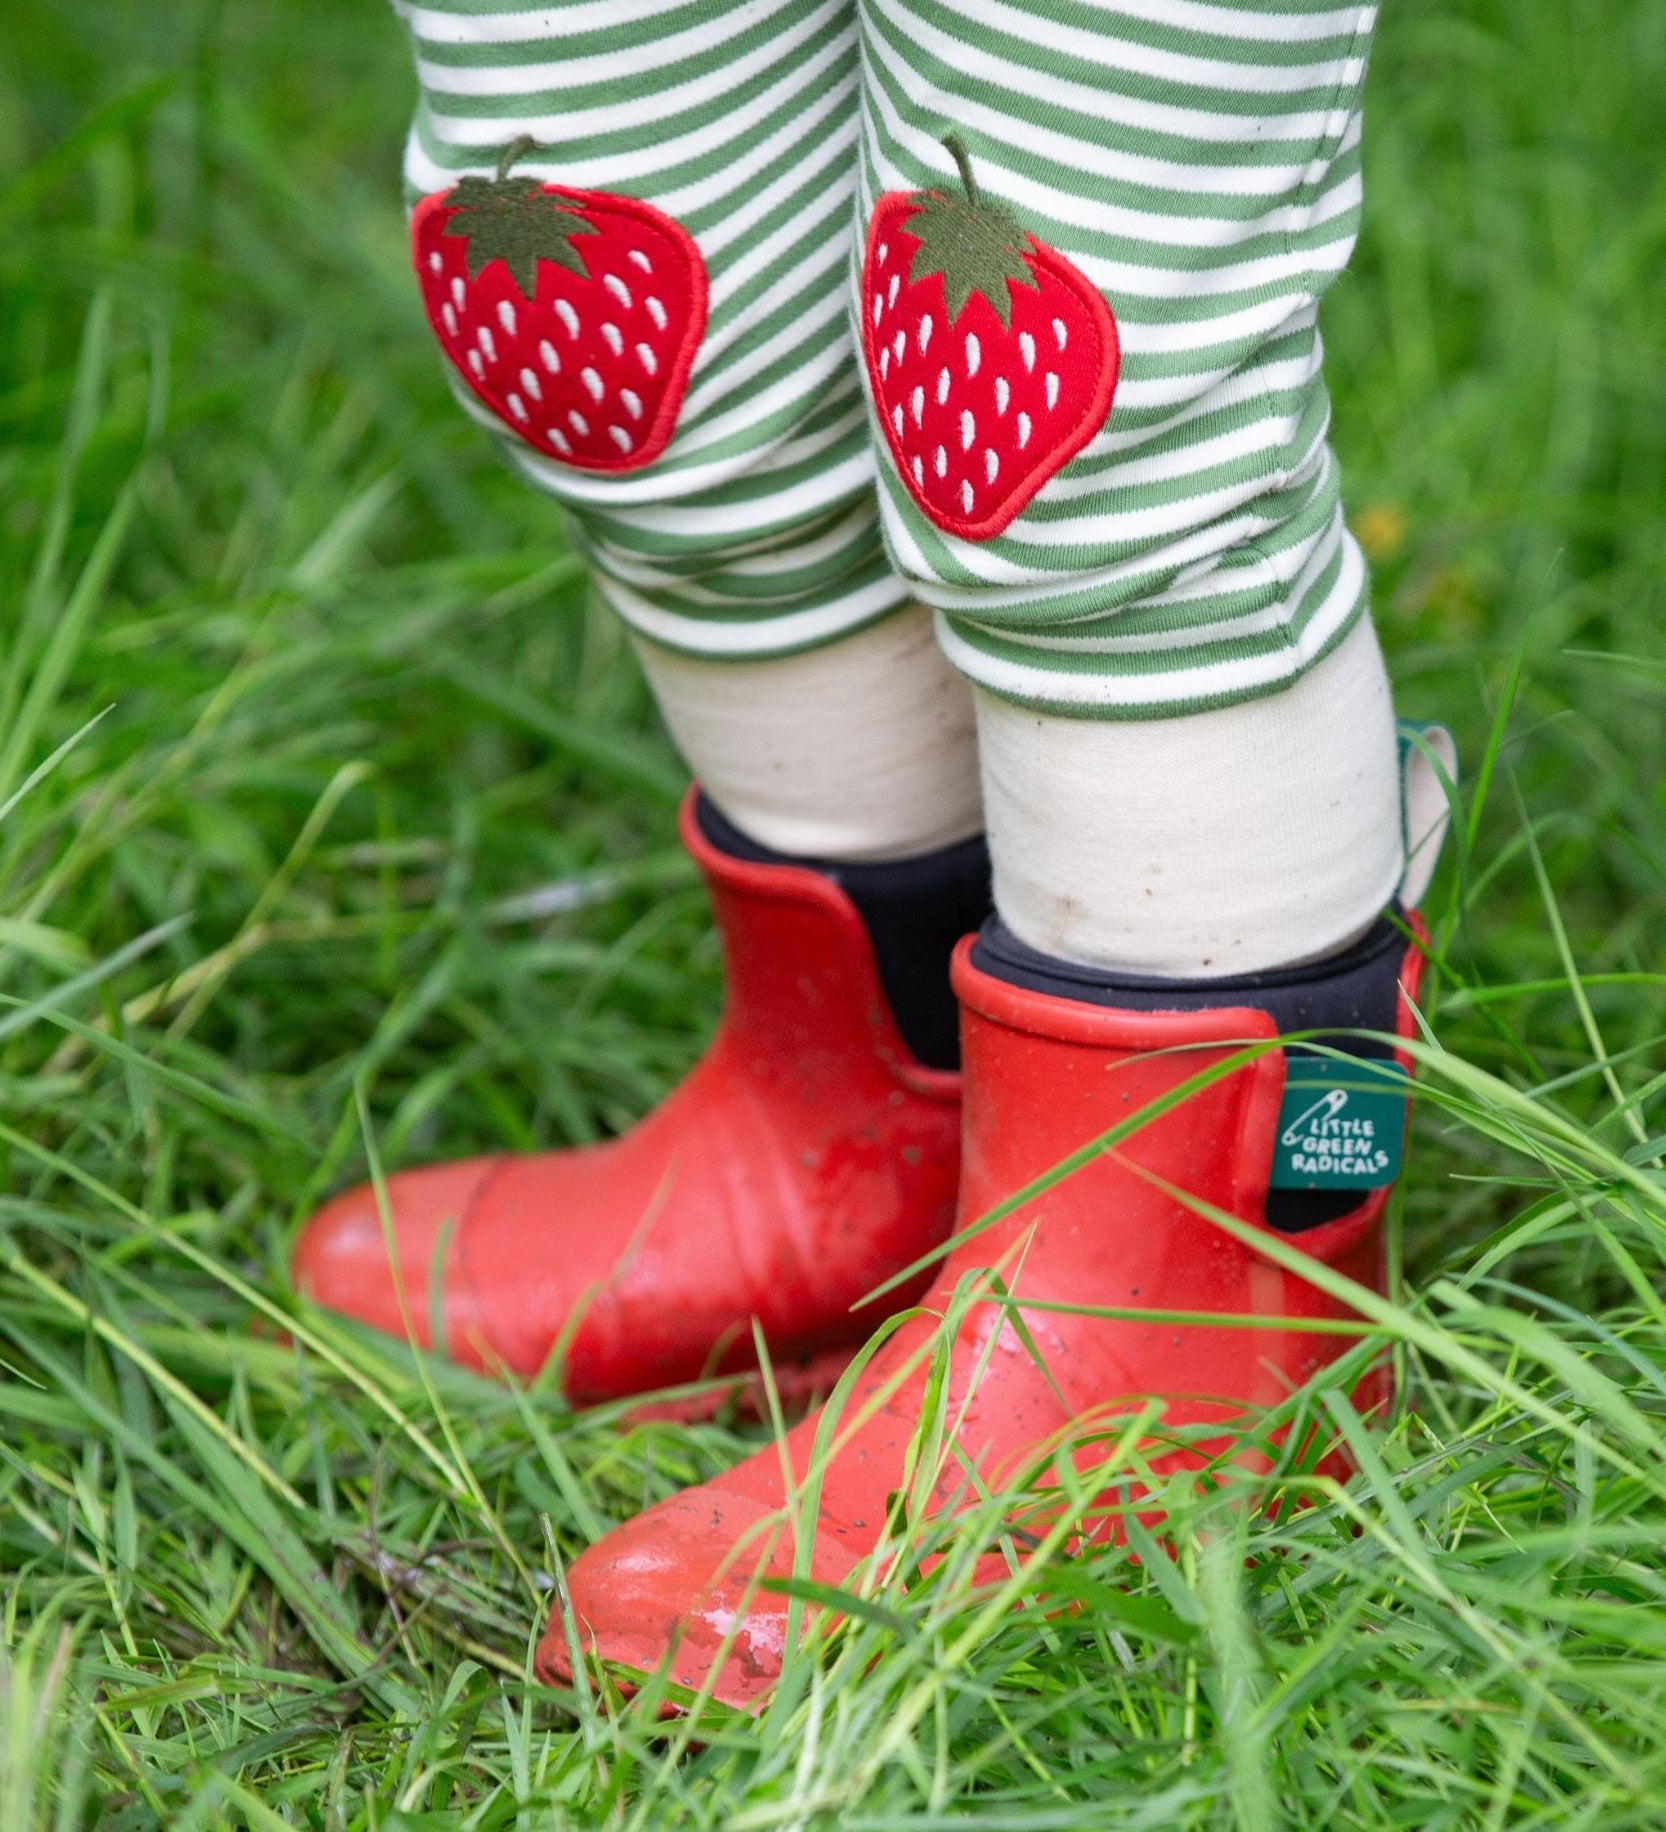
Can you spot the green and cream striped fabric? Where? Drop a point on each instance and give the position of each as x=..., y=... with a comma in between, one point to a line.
x=756, y=533
x=1198, y=162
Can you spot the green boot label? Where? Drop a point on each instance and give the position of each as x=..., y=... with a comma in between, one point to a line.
x=1342, y=1125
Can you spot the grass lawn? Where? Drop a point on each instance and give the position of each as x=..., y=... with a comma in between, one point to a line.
x=334, y=817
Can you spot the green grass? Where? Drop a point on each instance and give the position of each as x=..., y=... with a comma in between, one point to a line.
x=300, y=698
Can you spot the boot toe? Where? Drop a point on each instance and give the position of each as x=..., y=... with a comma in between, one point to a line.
x=676, y=1578
x=341, y=1259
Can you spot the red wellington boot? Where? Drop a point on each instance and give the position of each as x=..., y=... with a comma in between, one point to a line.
x=808, y=1157
x=1046, y=1074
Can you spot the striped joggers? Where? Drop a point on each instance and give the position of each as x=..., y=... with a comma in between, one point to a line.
x=1108, y=476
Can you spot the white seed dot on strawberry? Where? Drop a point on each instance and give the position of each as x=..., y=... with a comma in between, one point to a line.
x=620, y=437
x=1026, y=349
x=1023, y=430
x=891, y=290
x=1059, y=332
x=435, y=263
x=458, y=295
x=900, y=346
x=919, y=472
x=965, y=497
x=926, y=328
x=518, y=408
x=884, y=250
x=506, y=316
x=647, y=358
x=656, y=311
x=548, y=357
x=884, y=363
x=569, y=318
x=878, y=307
x=917, y=405
x=896, y=420
x=991, y=464
x=1003, y=394
x=942, y=386
x=613, y=338
x=619, y=290
x=578, y=423
x=968, y=429
x=974, y=353
x=642, y=261
x=559, y=440
x=477, y=365
x=633, y=402
x=450, y=319
x=592, y=382
x=1052, y=389
x=532, y=385
x=940, y=463
x=488, y=344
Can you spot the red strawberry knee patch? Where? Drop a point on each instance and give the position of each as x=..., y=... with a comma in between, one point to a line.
x=573, y=315
x=992, y=358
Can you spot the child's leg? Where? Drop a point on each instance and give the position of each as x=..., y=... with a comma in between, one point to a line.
x=1189, y=763
x=685, y=158
x=753, y=541
x=754, y=534
x=1171, y=789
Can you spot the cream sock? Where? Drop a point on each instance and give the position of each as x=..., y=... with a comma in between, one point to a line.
x=860, y=751
x=1256, y=836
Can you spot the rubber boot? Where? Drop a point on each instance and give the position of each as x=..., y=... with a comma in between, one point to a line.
x=809, y=1155
x=1053, y=1059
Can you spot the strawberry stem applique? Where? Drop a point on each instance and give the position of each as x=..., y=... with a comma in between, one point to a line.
x=992, y=358
x=515, y=220
x=977, y=246
x=573, y=316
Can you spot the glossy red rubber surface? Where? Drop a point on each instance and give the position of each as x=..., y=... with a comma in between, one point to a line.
x=1043, y=1077
x=804, y=1161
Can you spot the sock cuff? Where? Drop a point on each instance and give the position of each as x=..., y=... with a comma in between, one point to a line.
x=875, y=878
x=1357, y=989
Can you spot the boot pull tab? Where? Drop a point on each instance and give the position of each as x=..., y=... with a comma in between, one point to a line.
x=1428, y=795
